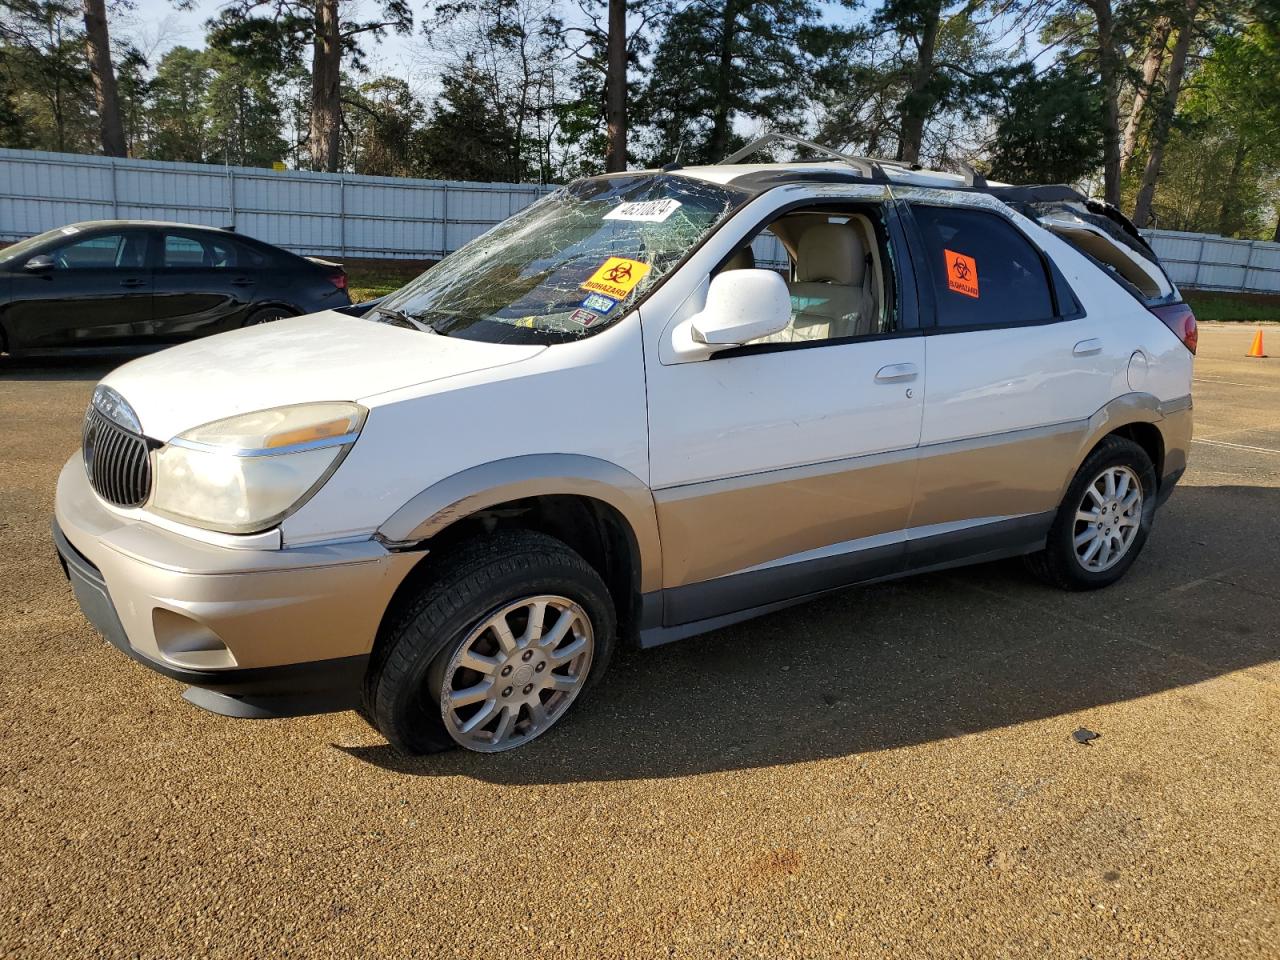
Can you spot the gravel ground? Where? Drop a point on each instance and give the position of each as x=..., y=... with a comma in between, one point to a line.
x=885, y=773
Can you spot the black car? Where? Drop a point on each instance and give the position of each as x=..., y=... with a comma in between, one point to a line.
x=114, y=284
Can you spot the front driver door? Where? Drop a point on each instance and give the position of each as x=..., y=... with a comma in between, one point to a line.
x=97, y=293
x=782, y=469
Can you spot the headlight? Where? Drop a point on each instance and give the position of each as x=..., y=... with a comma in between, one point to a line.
x=248, y=472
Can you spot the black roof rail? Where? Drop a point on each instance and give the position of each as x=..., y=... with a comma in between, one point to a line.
x=870, y=168
x=972, y=178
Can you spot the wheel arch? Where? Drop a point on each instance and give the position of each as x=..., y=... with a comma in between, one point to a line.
x=601, y=510
x=1152, y=424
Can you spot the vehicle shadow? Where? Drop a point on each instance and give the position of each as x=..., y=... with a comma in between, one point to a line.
x=919, y=660
x=87, y=368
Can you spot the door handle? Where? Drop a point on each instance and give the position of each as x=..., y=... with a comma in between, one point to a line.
x=132, y=282
x=1087, y=348
x=897, y=373
x=242, y=282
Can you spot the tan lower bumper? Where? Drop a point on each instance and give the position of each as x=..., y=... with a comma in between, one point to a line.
x=194, y=606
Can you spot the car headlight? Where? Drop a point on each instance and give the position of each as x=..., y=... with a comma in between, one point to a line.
x=247, y=473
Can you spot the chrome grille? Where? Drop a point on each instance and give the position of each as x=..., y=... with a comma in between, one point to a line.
x=116, y=461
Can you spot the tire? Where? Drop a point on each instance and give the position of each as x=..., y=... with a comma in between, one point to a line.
x=421, y=657
x=1063, y=564
x=266, y=315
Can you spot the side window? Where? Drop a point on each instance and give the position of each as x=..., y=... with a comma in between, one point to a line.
x=95, y=253
x=836, y=271
x=985, y=273
x=182, y=252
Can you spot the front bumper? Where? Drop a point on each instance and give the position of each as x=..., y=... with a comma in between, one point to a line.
x=253, y=633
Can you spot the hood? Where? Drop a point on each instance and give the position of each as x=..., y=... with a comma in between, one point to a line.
x=324, y=356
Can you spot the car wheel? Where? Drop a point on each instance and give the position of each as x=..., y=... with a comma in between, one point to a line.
x=1103, y=521
x=267, y=314
x=508, y=633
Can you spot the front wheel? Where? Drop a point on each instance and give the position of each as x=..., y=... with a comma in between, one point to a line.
x=507, y=635
x=1103, y=521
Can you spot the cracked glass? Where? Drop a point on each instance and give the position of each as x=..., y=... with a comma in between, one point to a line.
x=568, y=266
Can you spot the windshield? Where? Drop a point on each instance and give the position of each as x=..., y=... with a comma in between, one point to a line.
x=569, y=265
x=22, y=248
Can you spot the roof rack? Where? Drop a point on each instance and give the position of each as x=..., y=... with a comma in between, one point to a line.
x=869, y=167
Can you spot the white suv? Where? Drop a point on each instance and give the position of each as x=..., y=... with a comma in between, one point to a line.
x=648, y=406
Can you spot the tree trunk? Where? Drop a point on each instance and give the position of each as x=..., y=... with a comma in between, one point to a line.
x=1108, y=71
x=98, y=49
x=1226, y=212
x=917, y=104
x=615, y=89
x=1162, y=125
x=326, y=104
x=1150, y=72
x=722, y=116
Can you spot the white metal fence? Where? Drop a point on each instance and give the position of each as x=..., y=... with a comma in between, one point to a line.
x=344, y=215
x=311, y=213
x=1205, y=262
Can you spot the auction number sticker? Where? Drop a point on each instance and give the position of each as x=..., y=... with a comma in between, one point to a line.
x=962, y=273
x=645, y=211
x=616, y=277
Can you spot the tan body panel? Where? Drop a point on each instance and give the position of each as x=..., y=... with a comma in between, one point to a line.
x=535, y=475
x=722, y=527
x=194, y=606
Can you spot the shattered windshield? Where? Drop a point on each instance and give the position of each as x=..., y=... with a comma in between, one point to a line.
x=569, y=265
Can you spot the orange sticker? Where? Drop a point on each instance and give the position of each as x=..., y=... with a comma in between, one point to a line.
x=616, y=277
x=962, y=273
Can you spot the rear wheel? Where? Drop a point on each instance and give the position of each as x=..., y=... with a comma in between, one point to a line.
x=508, y=634
x=1103, y=521
x=267, y=315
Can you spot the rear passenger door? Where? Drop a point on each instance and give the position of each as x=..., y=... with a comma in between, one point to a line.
x=204, y=283
x=1016, y=369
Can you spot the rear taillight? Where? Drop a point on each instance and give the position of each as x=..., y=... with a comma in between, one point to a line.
x=339, y=280
x=1179, y=318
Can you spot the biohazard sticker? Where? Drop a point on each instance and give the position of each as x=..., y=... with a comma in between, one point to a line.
x=962, y=273
x=617, y=277
x=599, y=304
x=644, y=211
x=583, y=317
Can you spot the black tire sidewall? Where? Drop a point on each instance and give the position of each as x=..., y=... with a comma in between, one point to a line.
x=405, y=696
x=1115, y=452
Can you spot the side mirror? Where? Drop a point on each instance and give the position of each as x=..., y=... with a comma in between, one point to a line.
x=40, y=263
x=742, y=305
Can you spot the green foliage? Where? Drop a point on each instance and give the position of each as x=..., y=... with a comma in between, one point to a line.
x=1223, y=159
x=1050, y=129
x=721, y=64
x=468, y=138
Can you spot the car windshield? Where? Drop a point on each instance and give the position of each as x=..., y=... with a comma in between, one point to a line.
x=569, y=265
x=22, y=248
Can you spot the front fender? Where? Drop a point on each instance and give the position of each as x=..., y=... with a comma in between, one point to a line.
x=532, y=475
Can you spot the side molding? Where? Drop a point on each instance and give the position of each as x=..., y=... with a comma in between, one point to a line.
x=532, y=475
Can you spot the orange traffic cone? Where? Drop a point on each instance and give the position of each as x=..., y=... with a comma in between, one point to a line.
x=1256, y=349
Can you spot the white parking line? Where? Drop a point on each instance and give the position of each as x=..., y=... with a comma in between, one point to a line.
x=1234, y=383
x=1237, y=446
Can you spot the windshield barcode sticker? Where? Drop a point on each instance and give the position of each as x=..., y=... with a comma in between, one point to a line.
x=646, y=211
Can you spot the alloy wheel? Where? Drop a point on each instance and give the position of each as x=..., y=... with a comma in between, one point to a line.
x=516, y=673
x=1108, y=518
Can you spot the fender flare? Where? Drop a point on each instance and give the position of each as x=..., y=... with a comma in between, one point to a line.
x=1171, y=417
x=544, y=474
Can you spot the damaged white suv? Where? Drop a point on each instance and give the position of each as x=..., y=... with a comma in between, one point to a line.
x=648, y=406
